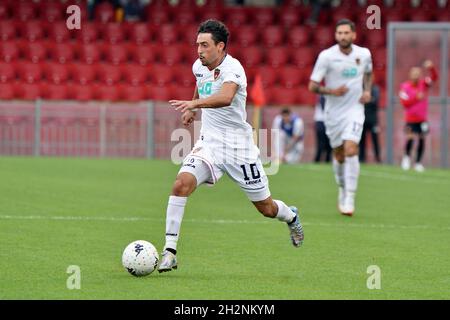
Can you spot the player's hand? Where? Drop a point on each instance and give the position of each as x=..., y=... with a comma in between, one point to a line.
x=366, y=97
x=428, y=64
x=339, y=91
x=188, y=117
x=182, y=105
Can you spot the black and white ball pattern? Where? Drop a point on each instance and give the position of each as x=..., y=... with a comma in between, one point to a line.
x=140, y=258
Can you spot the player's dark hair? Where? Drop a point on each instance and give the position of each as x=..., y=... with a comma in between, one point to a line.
x=286, y=111
x=346, y=22
x=218, y=30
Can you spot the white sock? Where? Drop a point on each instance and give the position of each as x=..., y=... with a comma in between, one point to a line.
x=284, y=213
x=339, y=169
x=174, y=215
x=351, y=174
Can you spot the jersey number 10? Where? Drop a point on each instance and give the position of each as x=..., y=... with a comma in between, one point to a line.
x=255, y=175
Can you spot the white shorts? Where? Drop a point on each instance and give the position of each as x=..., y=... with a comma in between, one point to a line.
x=348, y=129
x=245, y=168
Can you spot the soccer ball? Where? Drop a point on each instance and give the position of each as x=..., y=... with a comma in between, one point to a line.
x=140, y=258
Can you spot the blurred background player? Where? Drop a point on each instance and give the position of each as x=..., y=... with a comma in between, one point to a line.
x=347, y=71
x=322, y=142
x=371, y=125
x=221, y=93
x=290, y=144
x=414, y=98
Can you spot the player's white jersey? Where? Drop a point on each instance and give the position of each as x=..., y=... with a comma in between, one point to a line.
x=338, y=69
x=228, y=119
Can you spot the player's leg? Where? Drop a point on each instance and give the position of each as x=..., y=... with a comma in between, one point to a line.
x=339, y=169
x=278, y=209
x=406, y=160
x=351, y=175
x=376, y=146
x=193, y=173
x=362, y=144
x=420, y=150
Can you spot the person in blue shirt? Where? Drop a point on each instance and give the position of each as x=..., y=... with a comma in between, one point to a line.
x=290, y=143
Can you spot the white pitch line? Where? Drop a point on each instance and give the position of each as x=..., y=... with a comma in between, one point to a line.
x=389, y=176
x=222, y=221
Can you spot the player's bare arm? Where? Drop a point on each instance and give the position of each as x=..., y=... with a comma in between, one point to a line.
x=189, y=115
x=317, y=88
x=222, y=99
x=367, y=85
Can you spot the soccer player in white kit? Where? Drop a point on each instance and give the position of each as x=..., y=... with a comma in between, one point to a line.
x=226, y=140
x=347, y=71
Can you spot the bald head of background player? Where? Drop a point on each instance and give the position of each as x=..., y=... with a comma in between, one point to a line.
x=347, y=71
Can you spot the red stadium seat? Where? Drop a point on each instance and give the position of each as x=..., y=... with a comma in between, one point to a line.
x=289, y=17
x=30, y=72
x=116, y=53
x=35, y=51
x=305, y=96
x=32, y=30
x=380, y=77
x=263, y=17
x=376, y=38
x=8, y=30
x=109, y=74
x=4, y=11
x=61, y=52
x=108, y=93
x=184, y=76
x=135, y=74
x=81, y=92
x=393, y=15
x=159, y=93
x=184, y=17
x=56, y=91
x=144, y=54
x=104, y=12
x=56, y=73
x=158, y=16
x=134, y=93
x=52, y=11
x=168, y=34
x=324, y=36
x=247, y=36
x=9, y=50
x=7, y=72
x=83, y=74
x=303, y=57
x=236, y=16
x=299, y=36
x=290, y=76
x=269, y=75
x=113, y=32
x=89, y=53
x=24, y=10
x=253, y=56
x=7, y=91
x=58, y=31
x=341, y=13
x=29, y=91
x=277, y=57
x=160, y=75
x=443, y=16
x=211, y=13
x=283, y=96
x=181, y=93
x=171, y=55
x=88, y=33
x=420, y=15
x=140, y=33
x=272, y=36
x=379, y=58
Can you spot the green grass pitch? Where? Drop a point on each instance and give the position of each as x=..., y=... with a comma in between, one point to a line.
x=58, y=212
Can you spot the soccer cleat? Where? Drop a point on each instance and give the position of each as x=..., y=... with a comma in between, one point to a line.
x=349, y=205
x=406, y=163
x=341, y=199
x=296, y=229
x=168, y=262
x=419, y=167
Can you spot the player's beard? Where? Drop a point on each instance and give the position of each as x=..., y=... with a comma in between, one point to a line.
x=345, y=44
